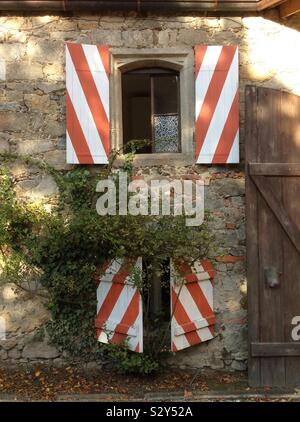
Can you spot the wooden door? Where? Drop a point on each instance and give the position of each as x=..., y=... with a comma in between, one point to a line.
x=273, y=235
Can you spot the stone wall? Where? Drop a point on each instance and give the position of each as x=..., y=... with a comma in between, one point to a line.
x=32, y=121
x=23, y=314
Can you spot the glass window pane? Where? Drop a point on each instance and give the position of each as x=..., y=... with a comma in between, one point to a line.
x=150, y=108
x=166, y=133
x=165, y=117
x=165, y=94
x=136, y=108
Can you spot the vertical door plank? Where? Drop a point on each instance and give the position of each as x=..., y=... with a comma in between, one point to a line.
x=270, y=236
x=251, y=234
x=290, y=138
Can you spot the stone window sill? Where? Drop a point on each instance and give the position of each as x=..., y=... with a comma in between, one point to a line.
x=171, y=159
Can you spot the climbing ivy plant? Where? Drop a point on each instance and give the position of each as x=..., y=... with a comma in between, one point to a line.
x=60, y=251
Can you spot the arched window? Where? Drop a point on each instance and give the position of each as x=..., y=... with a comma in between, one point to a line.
x=152, y=96
x=151, y=109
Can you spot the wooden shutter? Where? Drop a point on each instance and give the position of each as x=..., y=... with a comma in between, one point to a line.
x=87, y=103
x=192, y=312
x=119, y=305
x=217, y=104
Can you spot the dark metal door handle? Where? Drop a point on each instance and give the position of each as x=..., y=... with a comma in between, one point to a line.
x=272, y=276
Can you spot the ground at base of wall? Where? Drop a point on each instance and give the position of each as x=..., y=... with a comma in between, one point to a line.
x=91, y=384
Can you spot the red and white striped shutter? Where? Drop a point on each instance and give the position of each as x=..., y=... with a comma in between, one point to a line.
x=87, y=103
x=217, y=104
x=119, y=305
x=192, y=312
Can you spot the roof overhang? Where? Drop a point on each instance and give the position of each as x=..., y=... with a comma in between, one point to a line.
x=286, y=7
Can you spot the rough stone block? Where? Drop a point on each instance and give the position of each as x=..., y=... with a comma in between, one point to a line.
x=8, y=344
x=50, y=87
x=19, y=170
x=17, y=36
x=15, y=95
x=210, y=22
x=35, y=350
x=190, y=38
x=67, y=24
x=88, y=23
x=28, y=146
x=230, y=258
x=229, y=187
x=4, y=145
x=54, y=72
x=135, y=39
x=167, y=38
x=25, y=185
x=3, y=354
x=13, y=22
x=10, y=106
x=12, y=51
x=2, y=69
x=24, y=70
x=239, y=365
x=47, y=187
x=36, y=102
x=233, y=23
x=111, y=38
x=14, y=354
x=45, y=51
x=54, y=128
x=56, y=159
x=25, y=315
x=14, y=122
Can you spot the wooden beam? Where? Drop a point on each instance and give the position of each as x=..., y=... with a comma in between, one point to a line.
x=289, y=8
x=274, y=169
x=127, y=5
x=268, y=4
x=275, y=349
x=278, y=210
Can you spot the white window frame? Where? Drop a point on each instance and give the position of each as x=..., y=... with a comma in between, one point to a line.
x=179, y=59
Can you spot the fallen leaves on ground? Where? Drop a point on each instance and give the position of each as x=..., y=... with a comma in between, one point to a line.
x=46, y=383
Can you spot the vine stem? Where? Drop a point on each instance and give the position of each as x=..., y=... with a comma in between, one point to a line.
x=33, y=292
x=167, y=330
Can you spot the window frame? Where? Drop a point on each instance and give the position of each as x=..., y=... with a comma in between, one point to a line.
x=178, y=59
x=152, y=73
